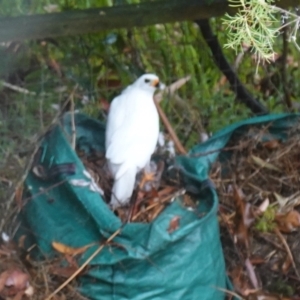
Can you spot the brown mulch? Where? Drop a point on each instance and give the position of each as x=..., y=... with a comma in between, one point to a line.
x=258, y=186
x=147, y=202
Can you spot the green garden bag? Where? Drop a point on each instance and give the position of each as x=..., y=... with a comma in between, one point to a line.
x=145, y=261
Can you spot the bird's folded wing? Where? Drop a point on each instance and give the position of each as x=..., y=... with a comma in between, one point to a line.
x=116, y=118
x=132, y=150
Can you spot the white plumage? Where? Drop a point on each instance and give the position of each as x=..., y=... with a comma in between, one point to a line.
x=131, y=135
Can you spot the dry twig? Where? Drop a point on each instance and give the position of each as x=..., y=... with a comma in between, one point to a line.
x=157, y=99
x=287, y=248
x=84, y=264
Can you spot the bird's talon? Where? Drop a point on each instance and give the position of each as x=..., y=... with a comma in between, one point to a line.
x=146, y=177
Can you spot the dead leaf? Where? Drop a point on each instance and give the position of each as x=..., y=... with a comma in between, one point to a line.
x=264, y=205
x=53, y=64
x=3, y=277
x=19, y=196
x=4, y=251
x=13, y=282
x=64, y=249
x=281, y=200
x=220, y=83
x=288, y=222
x=17, y=279
x=64, y=272
x=263, y=164
x=239, y=279
x=275, y=264
x=122, y=214
x=29, y=291
x=244, y=217
x=256, y=260
x=271, y=145
x=260, y=295
x=18, y=296
x=174, y=224
x=104, y=104
x=21, y=241
x=287, y=203
x=71, y=261
x=286, y=265
x=153, y=198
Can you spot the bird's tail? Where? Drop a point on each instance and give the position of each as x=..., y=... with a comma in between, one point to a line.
x=123, y=188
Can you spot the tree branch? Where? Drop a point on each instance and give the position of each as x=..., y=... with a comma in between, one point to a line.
x=284, y=57
x=243, y=95
x=105, y=18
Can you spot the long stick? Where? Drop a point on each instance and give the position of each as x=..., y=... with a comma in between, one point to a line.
x=170, y=129
x=84, y=265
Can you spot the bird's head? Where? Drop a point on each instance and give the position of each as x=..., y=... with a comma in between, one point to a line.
x=148, y=82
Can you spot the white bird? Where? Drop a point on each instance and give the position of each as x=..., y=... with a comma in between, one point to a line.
x=131, y=135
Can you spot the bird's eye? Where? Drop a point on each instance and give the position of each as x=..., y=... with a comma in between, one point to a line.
x=147, y=80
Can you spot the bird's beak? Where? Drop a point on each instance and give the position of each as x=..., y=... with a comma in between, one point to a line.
x=155, y=83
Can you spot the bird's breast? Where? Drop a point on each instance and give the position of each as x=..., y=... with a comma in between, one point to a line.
x=131, y=140
x=146, y=117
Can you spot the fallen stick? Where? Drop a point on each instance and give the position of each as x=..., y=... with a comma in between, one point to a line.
x=170, y=90
x=98, y=250
x=157, y=99
x=161, y=201
x=288, y=250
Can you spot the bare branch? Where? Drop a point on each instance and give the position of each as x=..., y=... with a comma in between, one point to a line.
x=243, y=95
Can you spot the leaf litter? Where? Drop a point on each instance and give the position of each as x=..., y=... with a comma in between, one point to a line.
x=22, y=278
x=149, y=199
x=257, y=178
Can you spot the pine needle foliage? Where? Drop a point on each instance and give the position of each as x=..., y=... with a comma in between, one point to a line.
x=255, y=25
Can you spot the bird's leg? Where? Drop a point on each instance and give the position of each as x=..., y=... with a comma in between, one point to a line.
x=148, y=175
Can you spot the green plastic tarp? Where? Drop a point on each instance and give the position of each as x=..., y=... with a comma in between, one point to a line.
x=145, y=261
